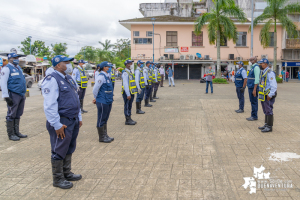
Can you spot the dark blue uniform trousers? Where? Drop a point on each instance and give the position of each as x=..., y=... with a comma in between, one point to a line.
x=113, y=84
x=155, y=85
x=254, y=102
x=103, y=113
x=139, y=97
x=81, y=93
x=241, y=98
x=267, y=106
x=62, y=147
x=16, y=110
x=127, y=104
x=147, y=92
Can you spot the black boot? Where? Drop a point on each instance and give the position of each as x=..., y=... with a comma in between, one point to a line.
x=264, y=126
x=154, y=95
x=151, y=98
x=58, y=175
x=69, y=176
x=147, y=103
x=102, y=136
x=17, y=132
x=129, y=121
x=11, y=131
x=269, y=125
x=138, y=108
x=81, y=107
x=105, y=131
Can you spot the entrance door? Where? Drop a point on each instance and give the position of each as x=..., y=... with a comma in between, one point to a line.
x=180, y=71
x=294, y=72
x=195, y=71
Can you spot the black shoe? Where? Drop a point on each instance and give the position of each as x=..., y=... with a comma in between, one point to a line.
x=154, y=95
x=58, y=175
x=69, y=176
x=132, y=120
x=138, y=108
x=147, y=103
x=161, y=86
x=129, y=121
x=17, y=132
x=173, y=85
x=240, y=111
x=102, y=136
x=105, y=130
x=11, y=131
x=251, y=119
x=151, y=98
x=264, y=126
x=236, y=110
x=169, y=85
x=269, y=125
x=81, y=107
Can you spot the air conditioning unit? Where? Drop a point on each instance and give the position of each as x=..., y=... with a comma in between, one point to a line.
x=206, y=57
x=166, y=55
x=239, y=58
x=231, y=57
x=264, y=56
x=182, y=57
x=162, y=58
x=171, y=56
x=191, y=57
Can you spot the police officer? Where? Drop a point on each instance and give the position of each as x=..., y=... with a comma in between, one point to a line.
x=97, y=72
x=13, y=85
x=148, y=84
x=152, y=77
x=252, y=82
x=240, y=84
x=62, y=110
x=140, y=84
x=267, y=94
x=103, y=94
x=128, y=90
x=112, y=75
x=80, y=77
x=157, y=80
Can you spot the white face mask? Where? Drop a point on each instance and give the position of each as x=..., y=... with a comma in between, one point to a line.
x=69, y=68
x=250, y=63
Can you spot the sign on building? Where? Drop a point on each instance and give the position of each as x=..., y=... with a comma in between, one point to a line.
x=171, y=50
x=184, y=49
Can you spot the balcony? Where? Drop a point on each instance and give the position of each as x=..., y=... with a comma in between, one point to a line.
x=293, y=43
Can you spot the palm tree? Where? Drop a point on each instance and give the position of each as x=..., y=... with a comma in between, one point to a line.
x=101, y=55
x=106, y=45
x=276, y=12
x=220, y=26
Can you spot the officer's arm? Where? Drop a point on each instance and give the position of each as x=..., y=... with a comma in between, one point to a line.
x=99, y=82
x=51, y=93
x=145, y=77
x=273, y=84
x=137, y=79
x=125, y=83
x=244, y=74
x=4, y=78
x=75, y=82
x=74, y=75
x=156, y=75
x=256, y=75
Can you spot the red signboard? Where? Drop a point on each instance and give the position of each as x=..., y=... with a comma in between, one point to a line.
x=38, y=59
x=184, y=49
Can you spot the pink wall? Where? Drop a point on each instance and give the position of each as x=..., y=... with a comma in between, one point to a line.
x=185, y=40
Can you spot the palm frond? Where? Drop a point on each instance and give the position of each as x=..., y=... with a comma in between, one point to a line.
x=261, y=18
x=212, y=31
x=228, y=28
x=200, y=22
x=289, y=25
x=292, y=8
x=265, y=34
x=234, y=11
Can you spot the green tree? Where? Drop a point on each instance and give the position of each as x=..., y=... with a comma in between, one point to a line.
x=276, y=12
x=101, y=55
x=220, y=26
x=59, y=49
x=106, y=45
x=123, y=48
x=88, y=53
x=38, y=48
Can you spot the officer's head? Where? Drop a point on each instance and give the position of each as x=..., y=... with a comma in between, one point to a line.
x=253, y=60
x=240, y=64
x=140, y=63
x=60, y=63
x=128, y=63
x=81, y=62
x=13, y=58
x=104, y=66
x=148, y=63
x=264, y=63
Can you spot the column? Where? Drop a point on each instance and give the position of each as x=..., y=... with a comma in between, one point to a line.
x=188, y=71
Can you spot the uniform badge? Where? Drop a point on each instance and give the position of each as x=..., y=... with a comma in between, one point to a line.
x=71, y=80
x=46, y=90
x=99, y=81
x=57, y=59
x=73, y=74
x=107, y=81
x=3, y=73
x=14, y=70
x=271, y=78
x=62, y=82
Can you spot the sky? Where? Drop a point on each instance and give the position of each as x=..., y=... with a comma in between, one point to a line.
x=75, y=22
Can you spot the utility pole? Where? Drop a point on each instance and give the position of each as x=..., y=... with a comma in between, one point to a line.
x=153, y=22
x=252, y=8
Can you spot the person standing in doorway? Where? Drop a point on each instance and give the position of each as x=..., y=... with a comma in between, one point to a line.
x=208, y=76
x=162, y=75
x=170, y=73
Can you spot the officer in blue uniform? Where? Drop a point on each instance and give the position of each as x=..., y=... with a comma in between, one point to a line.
x=13, y=91
x=240, y=84
x=128, y=94
x=267, y=94
x=79, y=72
x=151, y=69
x=148, y=84
x=156, y=84
x=13, y=85
x=62, y=110
x=141, y=91
x=103, y=94
x=252, y=83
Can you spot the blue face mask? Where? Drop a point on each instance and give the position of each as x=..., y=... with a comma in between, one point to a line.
x=109, y=70
x=142, y=65
x=16, y=62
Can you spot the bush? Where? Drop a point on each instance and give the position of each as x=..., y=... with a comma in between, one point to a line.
x=278, y=79
x=220, y=81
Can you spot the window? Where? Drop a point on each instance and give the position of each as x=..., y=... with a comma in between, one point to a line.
x=142, y=40
x=136, y=34
x=171, y=38
x=149, y=34
x=271, y=44
x=242, y=39
x=197, y=40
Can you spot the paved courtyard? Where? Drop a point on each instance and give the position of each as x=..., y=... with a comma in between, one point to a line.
x=189, y=145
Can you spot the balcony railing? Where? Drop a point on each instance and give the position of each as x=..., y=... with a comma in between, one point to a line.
x=293, y=43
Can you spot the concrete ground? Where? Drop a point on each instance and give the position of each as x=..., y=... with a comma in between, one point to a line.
x=189, y=145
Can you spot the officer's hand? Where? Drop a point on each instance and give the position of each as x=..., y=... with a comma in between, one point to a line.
x=129, y=97
x=61, y=132
x=268, y=98
x=147, y=86
x=94, y=101
x=254, y=93
x=80, y=124
x=139, y=91
x=9, y=101
x=242, y=90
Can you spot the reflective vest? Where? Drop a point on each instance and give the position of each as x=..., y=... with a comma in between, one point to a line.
x=113, y=78
x=251, y=77
x=158, y=76
x=83, y=79
x=153, y=76
x=132, y=85
x=262, y=92
x=150, y=77
x=16, y=82
x=142, y=79
x=239, y=80
x=105, y=94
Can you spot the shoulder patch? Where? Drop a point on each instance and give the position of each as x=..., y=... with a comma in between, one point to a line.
x=2, y=73
x=46, y=90
x=99, y=81
x=271, y=78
